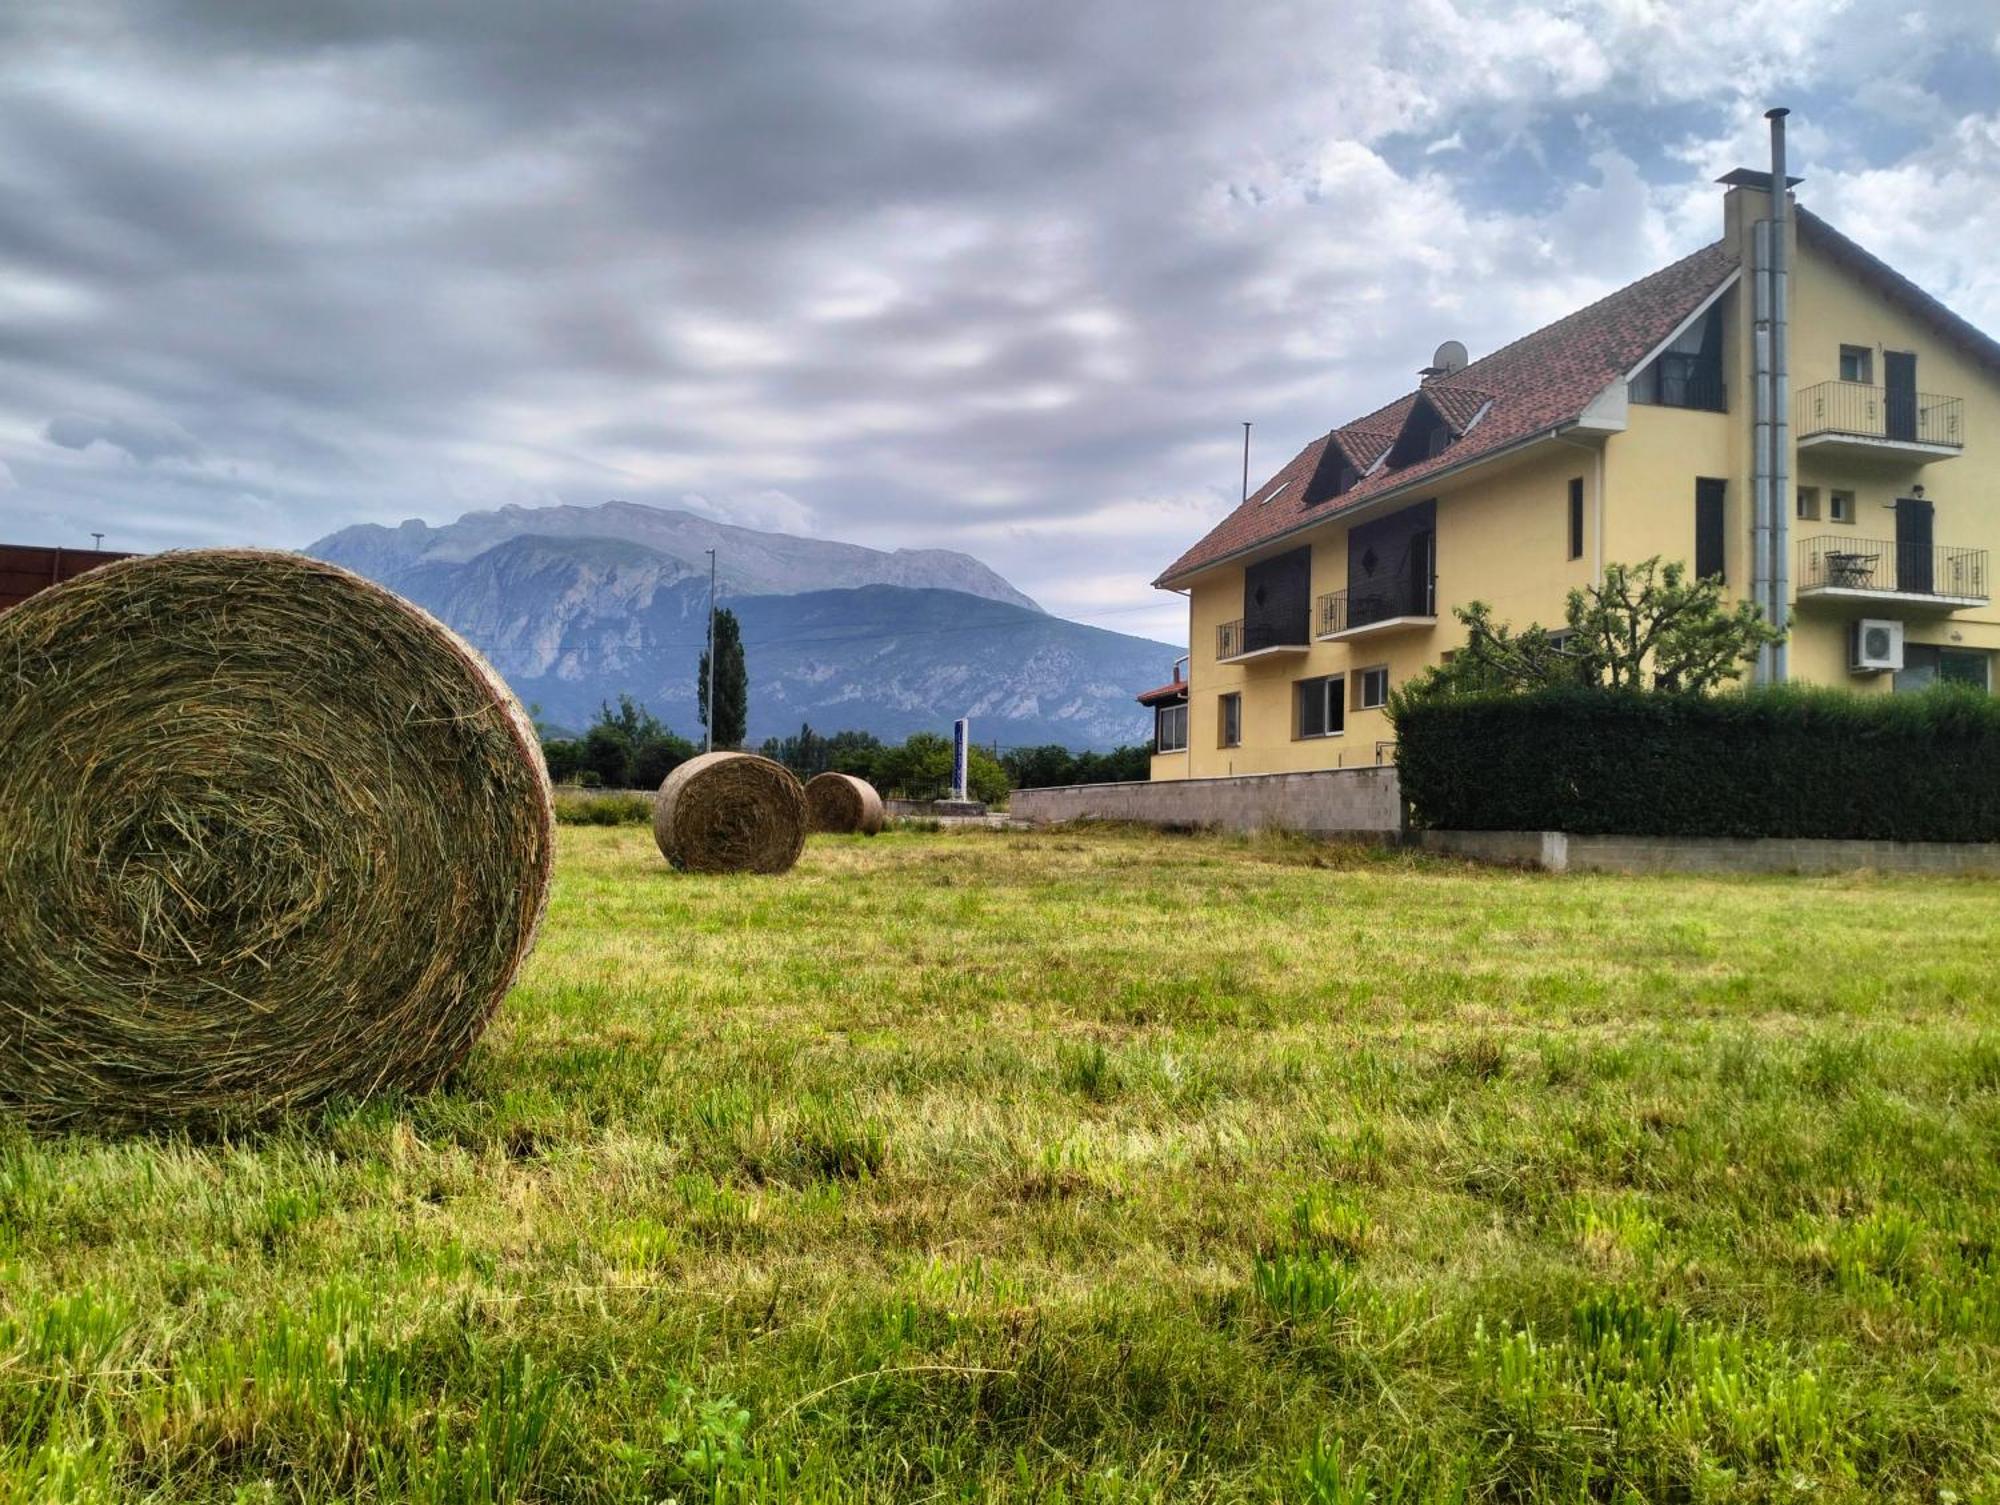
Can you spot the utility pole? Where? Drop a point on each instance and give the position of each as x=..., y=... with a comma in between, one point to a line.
x=708, y=720
x=1246, y=460
x=97, y=542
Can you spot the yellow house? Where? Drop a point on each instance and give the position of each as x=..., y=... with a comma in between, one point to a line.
x=1782, y=364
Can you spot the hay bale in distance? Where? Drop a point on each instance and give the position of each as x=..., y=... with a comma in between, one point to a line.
x=843, y=804
x=269, y=835
x=731, y=812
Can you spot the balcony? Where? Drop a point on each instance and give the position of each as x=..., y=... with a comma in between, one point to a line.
x=1236, y=642
x=1393, y=606
x=1850, y=420
x=1881, y=572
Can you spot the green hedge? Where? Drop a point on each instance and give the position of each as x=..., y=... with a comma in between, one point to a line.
x=1786, y=762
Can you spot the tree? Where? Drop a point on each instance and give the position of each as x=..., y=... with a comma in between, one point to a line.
x=626, y=748
x=732, y=683
x=985, y=778
x=1040, y=767
x=920, y=769
x=1647, y=626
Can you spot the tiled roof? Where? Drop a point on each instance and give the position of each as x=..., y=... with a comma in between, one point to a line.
x=1164, y=692
x=1457, y=405
x=1536, y=384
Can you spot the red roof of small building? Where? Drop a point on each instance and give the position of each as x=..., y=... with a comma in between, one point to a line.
x=1164, y=692
x=1539, y=383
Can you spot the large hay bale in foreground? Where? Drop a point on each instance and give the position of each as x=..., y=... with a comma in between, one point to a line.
x=842, y=804
x=730, y=812
x=269, y=835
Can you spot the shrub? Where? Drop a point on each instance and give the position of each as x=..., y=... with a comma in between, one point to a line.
x=1793, y=761
x=604, y=810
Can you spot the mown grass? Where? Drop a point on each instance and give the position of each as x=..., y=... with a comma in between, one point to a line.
x=1089, y=1166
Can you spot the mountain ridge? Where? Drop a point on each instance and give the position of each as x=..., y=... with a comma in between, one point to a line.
x=750, y=561
x=573, y=622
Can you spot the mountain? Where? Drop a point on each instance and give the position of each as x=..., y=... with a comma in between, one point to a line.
x=575, y=621
x=749, y=562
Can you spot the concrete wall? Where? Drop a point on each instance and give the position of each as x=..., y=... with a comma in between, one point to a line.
x=1323, y=802
x=1562, y=852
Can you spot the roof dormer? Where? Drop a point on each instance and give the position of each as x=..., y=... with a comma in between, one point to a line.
x=1439, y=417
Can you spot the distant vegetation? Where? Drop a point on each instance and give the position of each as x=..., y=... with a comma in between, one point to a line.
x=628, y=747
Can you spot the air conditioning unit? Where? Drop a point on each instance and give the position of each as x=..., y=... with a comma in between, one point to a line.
x=1876, y=646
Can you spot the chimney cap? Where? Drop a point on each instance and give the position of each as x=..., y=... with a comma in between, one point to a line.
x=1751, y=177
x=1778, y=113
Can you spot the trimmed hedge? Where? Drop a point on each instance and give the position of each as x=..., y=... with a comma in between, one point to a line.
x=1793, y=762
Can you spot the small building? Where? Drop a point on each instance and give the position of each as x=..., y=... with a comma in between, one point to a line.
x=26, y=569
x=1169, y=705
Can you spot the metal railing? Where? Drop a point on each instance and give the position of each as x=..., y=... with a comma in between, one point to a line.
x=1696, y=390
x=1865, y=412
x=1342, y=611
x=1234, y=639
x=1842, y=562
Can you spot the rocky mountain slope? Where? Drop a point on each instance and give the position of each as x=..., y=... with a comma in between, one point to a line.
x=573, y=621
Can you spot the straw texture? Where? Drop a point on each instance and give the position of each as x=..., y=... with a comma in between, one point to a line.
x=731, y=812
x=269, y=835
x=842, y=804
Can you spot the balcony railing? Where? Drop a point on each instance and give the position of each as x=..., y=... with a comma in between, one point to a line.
x=1394, y=600
x=1883, y=567
x=1855, y=410
x=1239, y=640
x=1696, y=389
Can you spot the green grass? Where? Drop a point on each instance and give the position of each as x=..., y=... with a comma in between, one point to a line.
x=1083, y=1166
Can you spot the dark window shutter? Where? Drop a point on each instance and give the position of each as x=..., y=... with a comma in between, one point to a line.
x=1709, y=536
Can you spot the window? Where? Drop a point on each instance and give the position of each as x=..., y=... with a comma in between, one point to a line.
x=1709, y=533
x=1924, y=666
x=1371, y=688
x=1808, y=510
x=1170, y=728
x=1840, y=506
x=1322, y=712
x=1576, y=517
x=1688, y=373
x=1857, y=363
x=1229, y=720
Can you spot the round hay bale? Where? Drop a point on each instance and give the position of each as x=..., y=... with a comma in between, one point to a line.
x=269, y=835
x=843, y=804
x=730, y=812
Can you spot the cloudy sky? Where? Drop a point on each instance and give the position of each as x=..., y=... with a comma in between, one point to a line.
x=1003, y=278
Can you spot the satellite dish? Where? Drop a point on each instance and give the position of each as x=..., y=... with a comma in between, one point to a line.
x=1450, y=357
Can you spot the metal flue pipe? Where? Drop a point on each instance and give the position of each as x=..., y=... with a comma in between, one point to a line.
x=1779, y=271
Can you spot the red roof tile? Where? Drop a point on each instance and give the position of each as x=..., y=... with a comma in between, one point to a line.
x=1536, y=384
x=1164, y=692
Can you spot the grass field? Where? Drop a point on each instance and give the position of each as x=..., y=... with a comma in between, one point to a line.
x=1086, y=1167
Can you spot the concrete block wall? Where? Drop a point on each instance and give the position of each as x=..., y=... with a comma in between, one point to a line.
x=1565, y=852
x=1363, y=802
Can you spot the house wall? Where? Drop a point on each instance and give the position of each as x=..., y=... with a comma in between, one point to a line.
x=1501, y=537
x=1831, y=308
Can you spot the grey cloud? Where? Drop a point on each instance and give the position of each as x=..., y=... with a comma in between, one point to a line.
x=938, y=273
x=144, y=442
